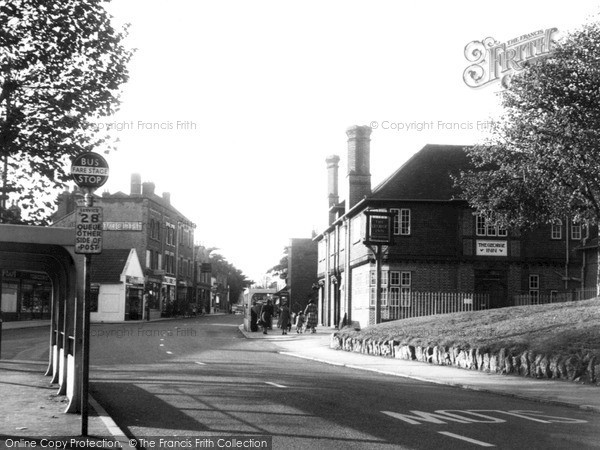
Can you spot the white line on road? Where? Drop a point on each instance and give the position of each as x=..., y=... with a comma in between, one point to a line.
x=169, y=353
x=463, y=438
x=161, y=345
x=200, y=363
x=275, y=384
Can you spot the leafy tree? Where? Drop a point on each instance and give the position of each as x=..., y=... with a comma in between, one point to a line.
x=61, y=68
x=281, y=268
x=236, y=279
x=542, y=162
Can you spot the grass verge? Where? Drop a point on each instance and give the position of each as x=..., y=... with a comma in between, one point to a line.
x=559, y=328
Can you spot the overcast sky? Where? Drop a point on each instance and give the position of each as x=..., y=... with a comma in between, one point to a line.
x=265, y=90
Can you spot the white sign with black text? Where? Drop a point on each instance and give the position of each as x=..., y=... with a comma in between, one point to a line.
x=492, y=248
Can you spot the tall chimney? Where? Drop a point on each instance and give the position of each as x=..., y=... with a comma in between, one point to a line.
x=167, y=197
x=359, y=156
x=148, y=188
x=332, y=184
x=136, y=184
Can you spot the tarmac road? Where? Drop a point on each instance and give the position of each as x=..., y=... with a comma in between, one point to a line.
x=201, y=378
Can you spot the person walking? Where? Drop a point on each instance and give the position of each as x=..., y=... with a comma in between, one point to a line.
x=266, y=315
x=254, y=314
x=311, y=313
x=284, y=318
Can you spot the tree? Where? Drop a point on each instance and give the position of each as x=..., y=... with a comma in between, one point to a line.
x=61, y=68
x=542, y=162
x=281, y=268
x=236, y=280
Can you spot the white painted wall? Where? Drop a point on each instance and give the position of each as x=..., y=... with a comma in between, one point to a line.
x=111, y=304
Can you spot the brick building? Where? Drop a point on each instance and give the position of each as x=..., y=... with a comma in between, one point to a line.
x=439, y=244
x=301, y=272
x=161, y=235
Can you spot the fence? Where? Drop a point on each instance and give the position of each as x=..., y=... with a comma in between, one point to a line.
x=534, y=298
x=416, y=304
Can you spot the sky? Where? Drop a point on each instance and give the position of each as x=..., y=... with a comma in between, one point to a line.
x=233, y=106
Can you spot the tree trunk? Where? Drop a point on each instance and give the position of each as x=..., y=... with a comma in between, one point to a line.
x=598, y=266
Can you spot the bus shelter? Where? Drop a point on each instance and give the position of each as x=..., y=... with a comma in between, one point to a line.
x=50, y=251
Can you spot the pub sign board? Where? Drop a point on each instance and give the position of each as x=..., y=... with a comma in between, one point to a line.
x=379, y=230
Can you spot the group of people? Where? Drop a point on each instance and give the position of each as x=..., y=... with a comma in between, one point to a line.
x=304, y=320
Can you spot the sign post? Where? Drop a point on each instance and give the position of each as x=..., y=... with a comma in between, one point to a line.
x=89, y=171
x=379, y=232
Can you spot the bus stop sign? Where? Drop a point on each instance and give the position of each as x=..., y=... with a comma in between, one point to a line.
x=89, y=170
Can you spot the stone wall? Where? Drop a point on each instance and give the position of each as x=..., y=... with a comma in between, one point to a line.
x=578, y=368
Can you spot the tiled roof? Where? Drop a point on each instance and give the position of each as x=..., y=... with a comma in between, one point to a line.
x=108, y=266
x=426, y=176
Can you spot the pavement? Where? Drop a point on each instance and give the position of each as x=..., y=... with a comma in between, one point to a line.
x=32, y=409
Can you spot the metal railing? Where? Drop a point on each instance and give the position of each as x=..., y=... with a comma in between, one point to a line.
x=534, y=298
x=417, y=304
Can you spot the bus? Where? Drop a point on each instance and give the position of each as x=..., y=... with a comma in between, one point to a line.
x=260, y=296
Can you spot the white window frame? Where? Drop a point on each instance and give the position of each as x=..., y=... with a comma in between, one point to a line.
x=405, y=222
x=576, y=232
x=534, y=288
x=483, y=227
x=556, y=230
x=394, y=278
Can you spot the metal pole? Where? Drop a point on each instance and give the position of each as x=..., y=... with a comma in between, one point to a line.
x=378, y=285
x=85, y=370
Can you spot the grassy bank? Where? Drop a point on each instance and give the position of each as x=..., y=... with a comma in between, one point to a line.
x=560, y=328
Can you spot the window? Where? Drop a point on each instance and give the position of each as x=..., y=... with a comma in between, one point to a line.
x=394, y=296
x=342, y=236
x=154, y=229
x=169, y=263
x=576, y=232
x=372, y=278
x=556, y=230
x=384, y=296
x=405, y=288
x=534, y=289
x=148, y=259
x=401, y=221
x=394, y=278
x=384, y=277
x=485, y=227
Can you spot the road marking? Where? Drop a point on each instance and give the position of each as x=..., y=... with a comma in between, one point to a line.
x=463, y=438
x=169, y=353
x=275, y=384
x=200, y=363
x=161, y=345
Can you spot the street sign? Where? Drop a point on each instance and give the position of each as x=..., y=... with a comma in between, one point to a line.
x=89, y=170
x=88, y=230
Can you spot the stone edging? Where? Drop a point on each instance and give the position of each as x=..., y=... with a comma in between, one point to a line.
x=578, y=368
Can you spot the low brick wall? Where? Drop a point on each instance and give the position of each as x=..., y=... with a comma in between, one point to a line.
x=578, y=368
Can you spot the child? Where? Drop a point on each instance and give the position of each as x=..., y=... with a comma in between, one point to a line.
x=299, y=321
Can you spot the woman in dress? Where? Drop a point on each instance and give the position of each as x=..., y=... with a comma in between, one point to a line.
x=311, y=313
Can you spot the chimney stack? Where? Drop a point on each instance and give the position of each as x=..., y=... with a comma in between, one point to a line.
x=167, y=197
x=359, y=156
x=136, y=184
x=148, y=188
x=332, y=184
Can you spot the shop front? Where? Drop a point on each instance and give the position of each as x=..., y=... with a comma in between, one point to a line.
x=25, y=295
